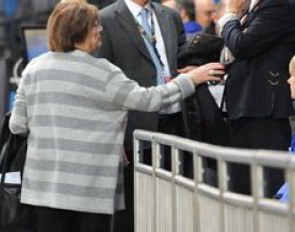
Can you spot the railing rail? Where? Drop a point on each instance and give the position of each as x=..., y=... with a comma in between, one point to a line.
x=165, y=201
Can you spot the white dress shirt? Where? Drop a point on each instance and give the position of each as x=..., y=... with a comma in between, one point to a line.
x=135, y=10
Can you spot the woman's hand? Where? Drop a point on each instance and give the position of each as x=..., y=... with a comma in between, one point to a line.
x=186, y=69
x=125, y=159
x=207, y=72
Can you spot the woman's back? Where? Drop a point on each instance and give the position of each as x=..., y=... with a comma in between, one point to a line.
x=75, y=134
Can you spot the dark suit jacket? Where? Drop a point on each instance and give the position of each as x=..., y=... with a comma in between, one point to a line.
x=123, y=45
x=257, y=84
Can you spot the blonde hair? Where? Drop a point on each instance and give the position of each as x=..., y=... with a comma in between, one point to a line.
x=292, y=66
x=73, y=1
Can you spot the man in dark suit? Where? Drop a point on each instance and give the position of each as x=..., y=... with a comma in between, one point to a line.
x=257, y=94
x=125, y=47
x=138, y=52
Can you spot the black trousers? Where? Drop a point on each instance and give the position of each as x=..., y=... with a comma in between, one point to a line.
x=258, y=133
x=57, y=220
x=168, y=124
x=173, y=125
x=124, y=220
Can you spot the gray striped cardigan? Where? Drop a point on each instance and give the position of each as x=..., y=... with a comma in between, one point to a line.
x=74, y=109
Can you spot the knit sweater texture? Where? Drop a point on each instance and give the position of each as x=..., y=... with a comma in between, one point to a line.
x=74, y=109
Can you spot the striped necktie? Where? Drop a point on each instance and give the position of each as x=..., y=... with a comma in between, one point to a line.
x=151, y=48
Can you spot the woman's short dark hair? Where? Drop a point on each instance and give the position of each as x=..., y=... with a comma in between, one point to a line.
x=70, y=23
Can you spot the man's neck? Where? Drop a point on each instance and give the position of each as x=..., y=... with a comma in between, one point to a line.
x=141, y=2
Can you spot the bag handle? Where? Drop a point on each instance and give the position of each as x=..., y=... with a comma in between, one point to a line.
x=4, y=128
x=3, y=135
x=5, y=167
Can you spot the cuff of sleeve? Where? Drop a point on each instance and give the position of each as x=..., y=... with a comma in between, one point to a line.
x=226, y=18
x=185, y=84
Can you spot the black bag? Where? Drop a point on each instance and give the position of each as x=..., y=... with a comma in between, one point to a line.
x=14, y=216
x=201, y=49
x=204, y=120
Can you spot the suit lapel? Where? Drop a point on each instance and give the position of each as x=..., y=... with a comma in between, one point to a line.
x=165, y=27
x=251, y=13
x=126, y=20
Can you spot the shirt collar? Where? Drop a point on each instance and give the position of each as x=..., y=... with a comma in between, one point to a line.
x=253, y=4
x=134, y=8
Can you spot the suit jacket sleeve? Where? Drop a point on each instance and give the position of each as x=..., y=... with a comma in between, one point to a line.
x=271, y=23
x=18, y=119
x=180, y=29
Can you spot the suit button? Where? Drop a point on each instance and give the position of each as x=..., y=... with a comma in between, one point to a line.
x=274, y=74
x=196, y=40
x=273, y=83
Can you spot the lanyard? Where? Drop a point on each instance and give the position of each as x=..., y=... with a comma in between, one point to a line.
x=151, y=39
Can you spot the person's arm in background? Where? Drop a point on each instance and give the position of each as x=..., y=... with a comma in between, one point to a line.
x=182, y=41
x=179, y=29
x=270, y=24
x=18, y=119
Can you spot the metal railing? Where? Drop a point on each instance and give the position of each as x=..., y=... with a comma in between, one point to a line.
x=165, y=201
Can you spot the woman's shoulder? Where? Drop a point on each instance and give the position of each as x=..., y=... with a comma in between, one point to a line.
x=37, y=61
x=99, y=63
x=79, y=62
x=105, y=66
x=104, y=63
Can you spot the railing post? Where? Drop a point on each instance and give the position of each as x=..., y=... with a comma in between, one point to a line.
x=222, y=180
x=197, y=177
x=136, y=149
x=175, y=168
x=155, y=163
x=256, y=180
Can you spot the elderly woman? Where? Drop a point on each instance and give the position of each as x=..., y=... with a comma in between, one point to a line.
x=73, y=107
